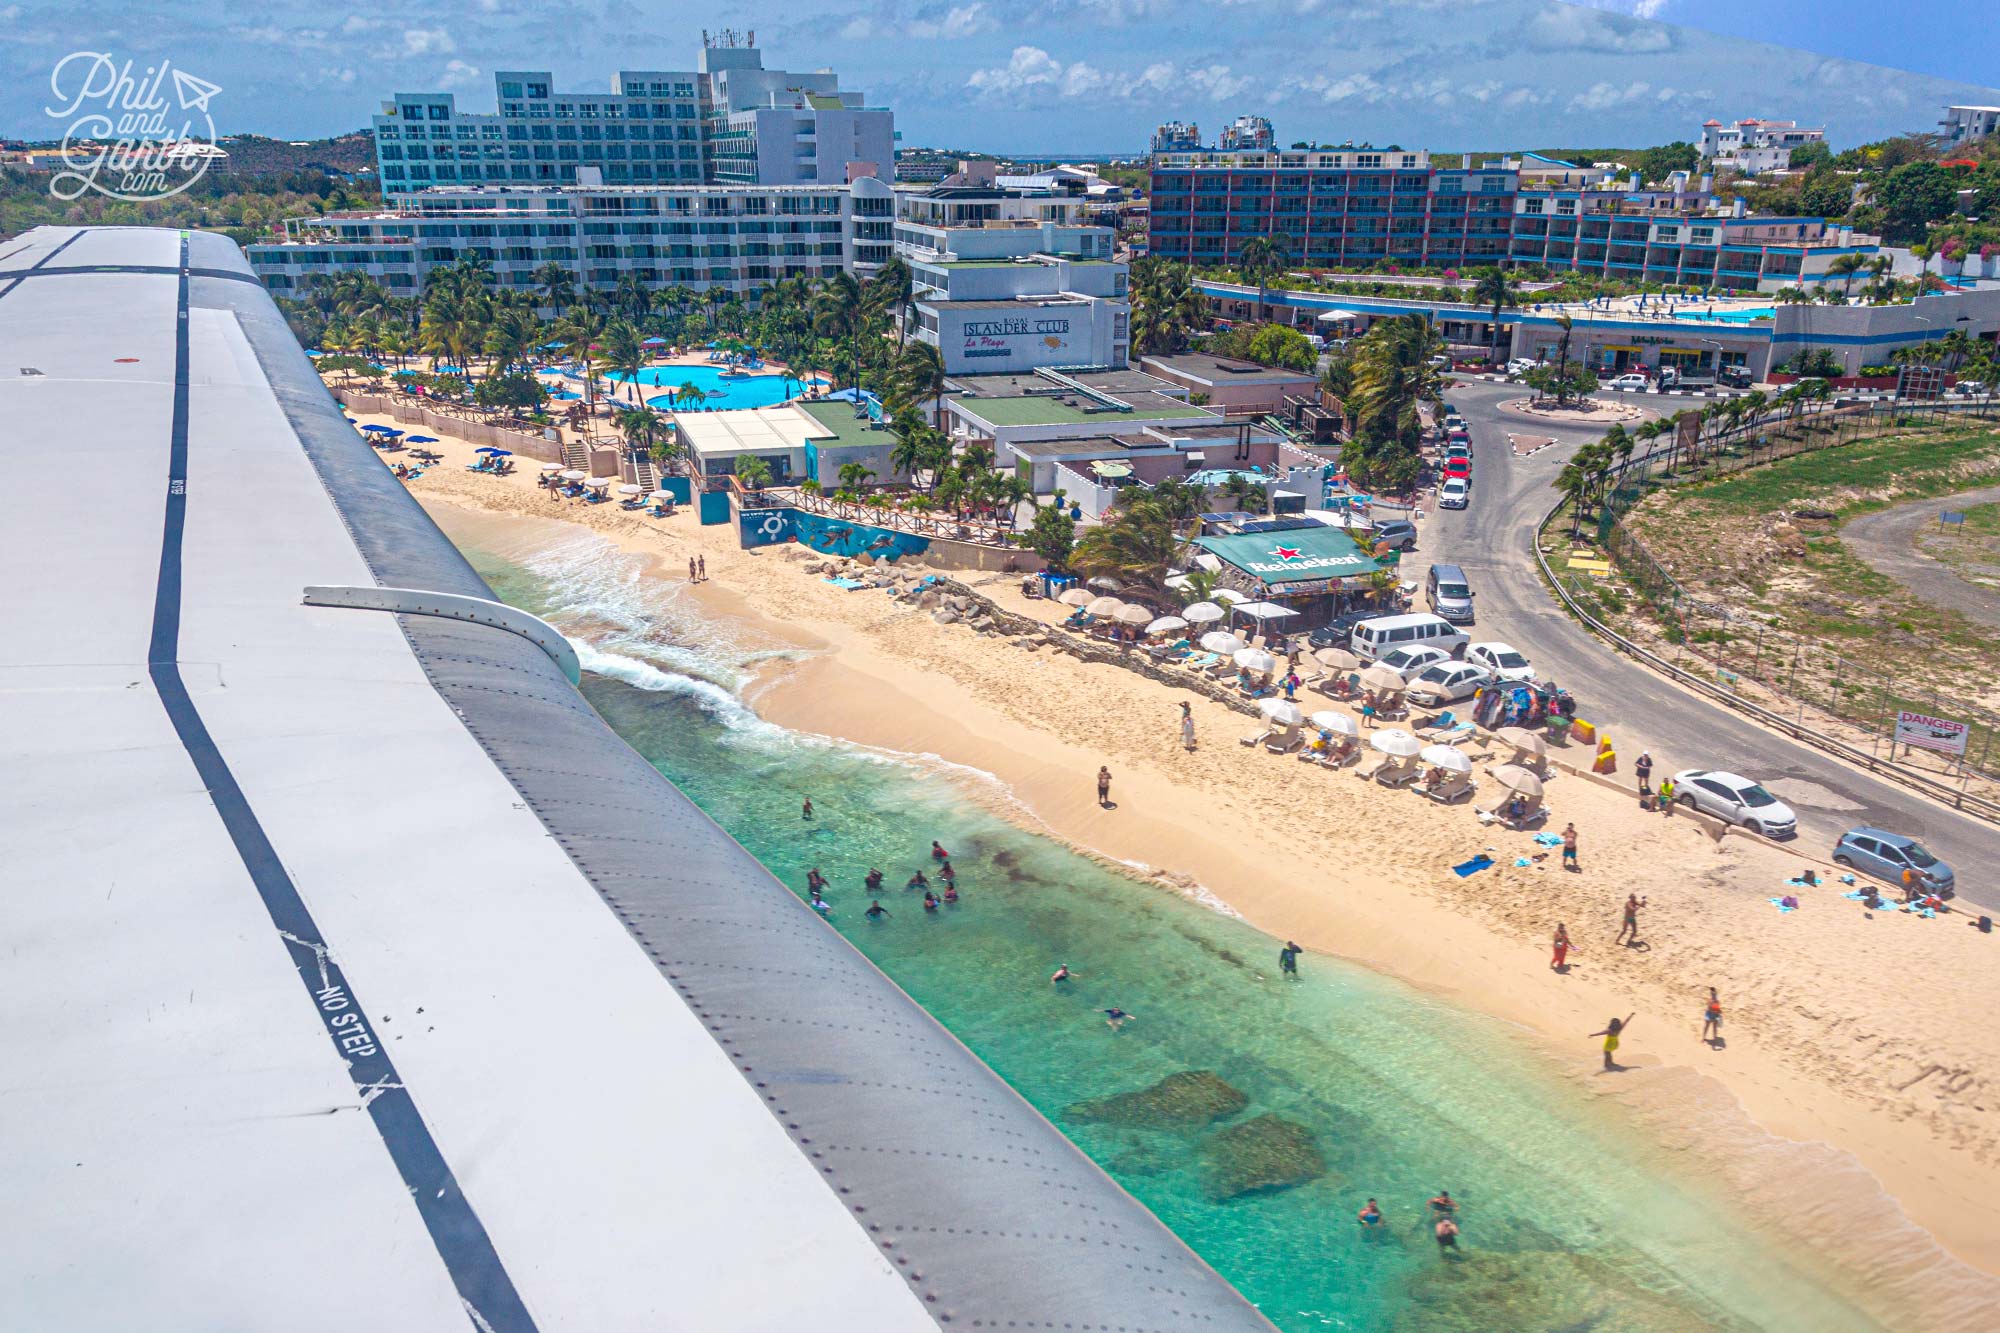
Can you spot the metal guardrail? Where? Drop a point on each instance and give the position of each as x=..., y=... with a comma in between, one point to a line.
x=1957, y=799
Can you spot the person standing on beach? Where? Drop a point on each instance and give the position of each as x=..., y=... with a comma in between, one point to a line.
x=691, y=577
x=1628, y=933
x=1711, y=1019
x=1642, y=768
x=1288, y=960
x=1610, y=1035
x=1187, y=727
x=702, y=564
x=1569, y=847
x=1103, y=785
x=1561, y=961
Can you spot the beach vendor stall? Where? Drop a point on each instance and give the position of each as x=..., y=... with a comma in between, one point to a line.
x=1305, y=568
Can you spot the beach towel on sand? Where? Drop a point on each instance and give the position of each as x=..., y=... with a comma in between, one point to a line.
x=1549, y=839
x=1782, y=905
x=1472, y=867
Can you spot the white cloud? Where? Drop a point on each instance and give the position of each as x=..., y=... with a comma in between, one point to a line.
x=427, y=42
x=956, y=23
x=1638, y=9
x=1028, y=67
x=1567, y=28
x=1604, y=96
x=458, y=74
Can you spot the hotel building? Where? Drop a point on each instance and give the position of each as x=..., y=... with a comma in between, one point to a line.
x=1968, y=124
x=1353, y=208
x=729, y=120
x=737, y=237
x=1751, y=146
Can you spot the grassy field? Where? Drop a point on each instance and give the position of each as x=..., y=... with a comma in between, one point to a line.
x=1971, y=548
x=1771, y=590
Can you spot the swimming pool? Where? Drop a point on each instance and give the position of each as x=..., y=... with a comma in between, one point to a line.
x=758, y=390
x=1741, y=316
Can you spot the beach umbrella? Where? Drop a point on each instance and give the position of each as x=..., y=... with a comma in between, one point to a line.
x=629, y=489
x=549, y=468
x=1517, y=779
x=1446, y=758
x=598, y=483
x=1105, y=607
x=1132, y=614
x=1220, y=641
x=1523, y=740
x=1173, y=581
x=489, y=449
x=1379, y=677
x=1255, y=659
x=1075, y=597
x=661, y=496
x=1337, y=659
x=1281, y=712
x=1202, y=613
x=503, y=453
x=1396, y=741
x=653, y=342
x=1229, y=595
x=420, y=439
x=380, y=430
x=574, y=475
x=1105, y=583
x=1167, y=625
x=1340, y=724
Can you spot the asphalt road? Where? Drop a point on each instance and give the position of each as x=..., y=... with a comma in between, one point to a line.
x=1491, y=541
x=1887, y=540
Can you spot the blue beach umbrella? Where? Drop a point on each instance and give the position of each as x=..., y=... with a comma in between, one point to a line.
x=420, y=439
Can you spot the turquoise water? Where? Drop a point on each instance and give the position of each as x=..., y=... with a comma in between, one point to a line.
x=1570, y=1222
x=755, y=390
x=1741, y=316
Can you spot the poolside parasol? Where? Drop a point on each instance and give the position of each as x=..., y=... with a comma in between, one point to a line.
x=1105, y=583
x=629, y=489
x=1228, y=595
x=1396, y=741
x=661, y=496
x=1446, y=758
x=420, y=439
x=574, y=475
x=548, y=468
x=598, y=483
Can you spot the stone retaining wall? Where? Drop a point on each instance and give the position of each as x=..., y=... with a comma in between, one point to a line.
x=434, y=422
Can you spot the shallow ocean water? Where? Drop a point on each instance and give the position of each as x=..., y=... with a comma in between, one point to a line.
x=1569, y=1221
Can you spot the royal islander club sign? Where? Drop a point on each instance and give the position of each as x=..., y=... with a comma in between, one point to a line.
x=1012, y=334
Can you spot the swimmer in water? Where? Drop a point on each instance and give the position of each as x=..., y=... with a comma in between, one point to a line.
x=930, y=901
x=1447, y=1234
x=1115, y=1018
x=814, y=880
x=1062, y=974
x=818, y=903
x=938, y=853
x=950, y=892
x=874, y=880
x=1444, y=1203
x=918, y=881
x=876, y=911
x=807, y=811
x=946, y=873
x=1371, y=1216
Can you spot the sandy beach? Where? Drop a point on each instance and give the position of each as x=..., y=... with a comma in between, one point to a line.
x=1850, y=1100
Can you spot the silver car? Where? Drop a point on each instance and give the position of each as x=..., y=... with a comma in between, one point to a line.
x=1885, y=856
x=1448, y=682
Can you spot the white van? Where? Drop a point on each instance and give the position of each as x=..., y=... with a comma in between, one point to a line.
x=1372, y=638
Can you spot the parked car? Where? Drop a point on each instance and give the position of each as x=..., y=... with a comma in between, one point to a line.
x=1458, y=432
x=1398, y=533
x=1737, y=800
x=1504, y=660
x=1733, y=377
x=1455, y=493
x=1458, y=449
x=1448, y=682
x=1885, y=856
x=1972, y=388
x=1440, y=363
x=1634, y=381
x=1521, y=365
x=1409, y=663
x=1458, y=465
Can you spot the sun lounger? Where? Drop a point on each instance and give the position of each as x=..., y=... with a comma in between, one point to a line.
x=1256, y=738
x=1398, y=772
x=1453, y=735
x=1373, y=766
x=1456, y=786
x=1285, y=741
x=1496, y=811
x=1201, y=662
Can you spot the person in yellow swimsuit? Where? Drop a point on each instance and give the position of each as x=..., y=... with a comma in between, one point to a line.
x=1610, y=1035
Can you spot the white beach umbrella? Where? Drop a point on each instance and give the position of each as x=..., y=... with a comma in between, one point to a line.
x=549, y=468
x=598, y=483
x=1167, y=625
x=574, y=475
x=1203, y=613
x=1220, y=641
x=1523, y=740
x=1281, y=712
x=1255, y=659
x=1340, y=724
x=1074, y=597
x=1396, y=741
x=1517, y=779
x=1229, y=595
x=1131, y=614
x=661, y=496
x=1446, y=758
x=1105, y=607
x=629, y=489
x=1337, y=659
x=1105, y=583
x=1175, y=581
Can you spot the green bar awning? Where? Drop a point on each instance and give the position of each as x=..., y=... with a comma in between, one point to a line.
x=1293, y=556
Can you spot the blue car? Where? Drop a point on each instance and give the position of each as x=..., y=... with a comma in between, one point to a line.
x=1885, y=856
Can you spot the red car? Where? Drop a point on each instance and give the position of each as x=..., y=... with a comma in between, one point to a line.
x=1458, y=467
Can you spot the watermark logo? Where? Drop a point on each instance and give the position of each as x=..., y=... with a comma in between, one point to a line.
x=132, y=137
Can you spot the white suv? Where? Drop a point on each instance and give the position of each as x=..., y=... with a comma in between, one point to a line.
x=1630, y=382
x=1456, y=493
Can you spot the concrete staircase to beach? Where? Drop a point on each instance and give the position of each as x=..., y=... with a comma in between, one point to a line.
x=576, y=455
x=642, y=472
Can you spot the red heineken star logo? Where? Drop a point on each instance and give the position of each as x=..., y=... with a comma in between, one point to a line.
x=1286, y=552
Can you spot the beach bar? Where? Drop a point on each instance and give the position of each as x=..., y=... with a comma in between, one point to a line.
x=1298, y=564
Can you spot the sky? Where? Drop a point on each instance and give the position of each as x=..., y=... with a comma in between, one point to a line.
x=1085, y=77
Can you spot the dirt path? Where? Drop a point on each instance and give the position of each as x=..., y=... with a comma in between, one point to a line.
x=1887, y=540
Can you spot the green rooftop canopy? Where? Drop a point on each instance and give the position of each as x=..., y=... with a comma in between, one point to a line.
x=1297, y=555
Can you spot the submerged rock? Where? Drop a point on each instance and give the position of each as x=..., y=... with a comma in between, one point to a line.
x=1267, y=1153
x=1191, y=1097
x=1477, y=1290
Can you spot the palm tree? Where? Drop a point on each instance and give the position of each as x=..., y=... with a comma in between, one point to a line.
x=1135, y=544
x=1392, y=380
x=557, y=284
x=891, y=291
x=853, y=476
x=919, y=374
x=1847, y=267
x=837, y=317
x=1262, y=259
x=1495, y=288
x=1167, y=306
x=624, y=354
x=1565, y=323
x=752, y=473
x=1793, y=296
